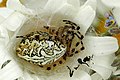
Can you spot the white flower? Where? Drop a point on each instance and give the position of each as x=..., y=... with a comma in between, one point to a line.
x=29, y=15
x=107, y=19
x=113, y=6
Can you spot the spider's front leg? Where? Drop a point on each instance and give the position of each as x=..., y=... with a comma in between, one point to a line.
x=75, y=28
x=76, y=44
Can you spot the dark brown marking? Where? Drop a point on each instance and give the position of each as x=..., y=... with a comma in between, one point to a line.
x=37, y=37
x=71, y=55
x=60, y=62
x=82, y=48
x=57, y=33
x=47, y=27
x=81, y=42
x=73, y=50
x=82, y=37
x=54, y=65
x=77, y=44
x=48, y=68
x=78, y=32
x=78, y=28
x=19, y=36
x=64, y=57
x=73, y=27
x=86, y=59
x=71, y=71
x=17, y=50
x=80, y=60
x=53, y=30
x=41, y=66
x=76, y=52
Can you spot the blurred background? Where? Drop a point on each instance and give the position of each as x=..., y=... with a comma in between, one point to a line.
x=3, y=3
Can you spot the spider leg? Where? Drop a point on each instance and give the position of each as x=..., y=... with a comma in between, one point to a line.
x=71, y=71
x=69, y=43
x=70, y=22
x=74, y=26
x=20, y=36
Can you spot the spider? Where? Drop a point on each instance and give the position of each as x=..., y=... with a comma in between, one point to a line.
x=51, y=45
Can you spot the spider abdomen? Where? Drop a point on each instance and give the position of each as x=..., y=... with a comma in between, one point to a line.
x=42, y=51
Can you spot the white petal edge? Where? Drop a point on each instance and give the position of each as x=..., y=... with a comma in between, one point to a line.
x=116, y=13
x=4, y=37
x=78, y=75
x=96, y=76
x=111, y=3
x=67, y=12
x=1, y=18
x=4, y=56
x=100, y=45
x=92, y=3
x=104, y=61
x=33, y=4
x=101, y=8
x=84, y=18
x=75, y=3
x=117, y=72
x=5, y=12
x=48, y=10
x=26, y=76
x=53, y=5
x=104, y=72
x=102, y=65
x=14, y=21
x=10, y=72
x=18, y=6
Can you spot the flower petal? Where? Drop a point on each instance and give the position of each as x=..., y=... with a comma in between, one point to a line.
x=14, y=21
x=10, y=72
x=101, y=8
x=5, y=12
x=103, y=71
x=12, y=69
x=49, y=10
x=84, y=18
x=75, y=3
x=27, y=76
x=4, y=37
x=33, y=4
x=78, y=75
x=100, y=45
x=91, y=3
x=96, y=76
x=18, y=6
x=3, y=57
x=112, y=3
x=56, y=4
x=65, y=12
x=116, y=13
x=105, y=60
x=1, y=18
x=117, y=72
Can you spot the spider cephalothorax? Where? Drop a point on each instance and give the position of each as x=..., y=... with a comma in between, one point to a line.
x=51, y=44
